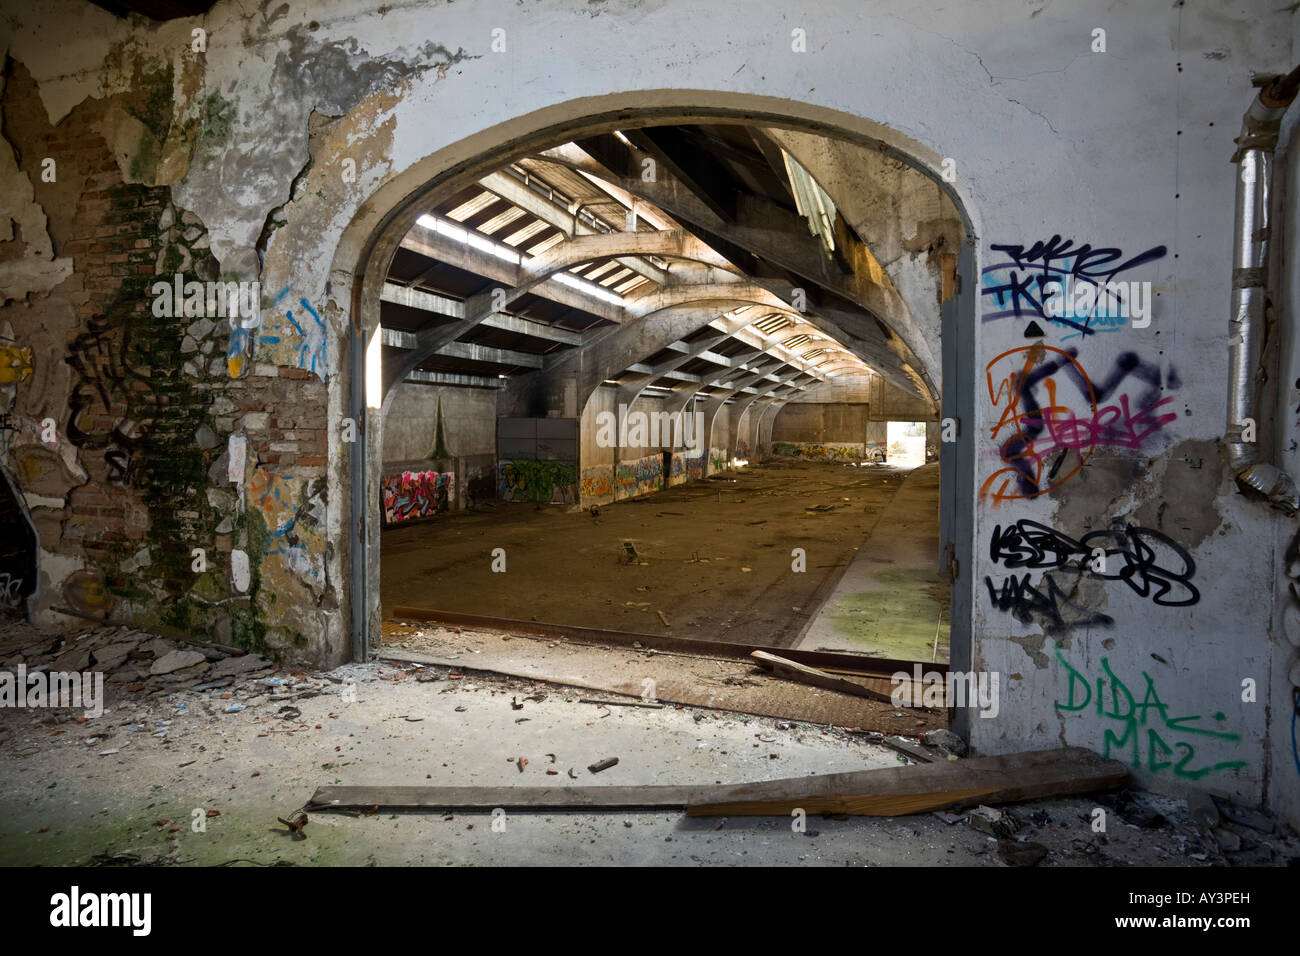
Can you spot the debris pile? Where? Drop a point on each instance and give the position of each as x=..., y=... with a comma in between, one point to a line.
x=131, y=660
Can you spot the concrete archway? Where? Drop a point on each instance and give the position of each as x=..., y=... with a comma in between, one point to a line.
x=371, y=239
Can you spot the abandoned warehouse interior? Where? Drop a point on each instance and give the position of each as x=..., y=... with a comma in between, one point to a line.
x=746, y=432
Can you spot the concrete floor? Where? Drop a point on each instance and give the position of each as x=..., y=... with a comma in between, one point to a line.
x=714, y=556
x=892, y=600
x=181, y=757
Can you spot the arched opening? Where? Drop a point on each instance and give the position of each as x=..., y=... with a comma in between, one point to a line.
x=727, y=287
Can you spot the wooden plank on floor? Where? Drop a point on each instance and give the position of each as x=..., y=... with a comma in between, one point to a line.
x=891, y=791
x=486, y=799
x=897, y=791
x=843, y=661
x=783, y=667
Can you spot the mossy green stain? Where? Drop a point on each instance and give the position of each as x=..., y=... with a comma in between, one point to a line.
x=897, y=618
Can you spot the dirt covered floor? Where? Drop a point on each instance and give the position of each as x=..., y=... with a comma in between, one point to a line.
x=713, y=557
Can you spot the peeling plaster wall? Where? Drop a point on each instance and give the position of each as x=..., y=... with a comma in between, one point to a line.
x=299, y=128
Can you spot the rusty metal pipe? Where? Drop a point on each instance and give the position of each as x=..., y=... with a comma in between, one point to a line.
x=1246, y=322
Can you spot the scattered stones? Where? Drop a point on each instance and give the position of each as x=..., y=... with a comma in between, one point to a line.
x=1228, y=841
x=992, y=821
x=1245, y=817
x=946, y=742
x=1203, y=809
x=1016, y=853
x=108, y=658
x=176, y=660
x=235, y=666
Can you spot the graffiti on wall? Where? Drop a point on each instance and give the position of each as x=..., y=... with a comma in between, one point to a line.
x=413, y=495
x=1052, y=416
x=1046, y=604
x=598, y=482
x=18, y=547
x=293, y=510
x=641, y=476
x=1150, y=563
x=1078, y=290
x=15, y=363
x=1136, y=727
x=677, y=470
x=290, y=336
x=695, y=467
x=553, y=482
x=823, y=451
x=113, y=403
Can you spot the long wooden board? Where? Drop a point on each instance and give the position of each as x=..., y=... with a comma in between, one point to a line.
x=783, y=667
x=891, y=791
x=897, y=791
x=486, y=799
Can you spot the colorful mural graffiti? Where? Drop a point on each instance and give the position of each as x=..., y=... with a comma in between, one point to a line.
x=641, y=476
x=598, y=483
x=823, y=451
x=15, y=364
x=1052, y=416
x=1144, y=726
x=545, y=482
x=413, y=495
x=293, y=510
x=677, y=472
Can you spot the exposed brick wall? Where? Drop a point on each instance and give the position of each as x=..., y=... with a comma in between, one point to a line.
x=149, y=407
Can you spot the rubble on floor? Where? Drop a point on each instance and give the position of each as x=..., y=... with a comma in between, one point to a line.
x=248, y=750
x=132, y=660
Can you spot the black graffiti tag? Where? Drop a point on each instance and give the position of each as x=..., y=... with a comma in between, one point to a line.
x=1151, y=563
x=1018, y=284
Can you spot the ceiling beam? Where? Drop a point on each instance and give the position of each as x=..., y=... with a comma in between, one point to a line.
x=421, y=377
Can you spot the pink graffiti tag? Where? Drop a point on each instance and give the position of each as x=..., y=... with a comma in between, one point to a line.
x=1035, y=435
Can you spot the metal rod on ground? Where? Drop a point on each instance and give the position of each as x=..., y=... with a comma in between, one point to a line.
x=934, y=654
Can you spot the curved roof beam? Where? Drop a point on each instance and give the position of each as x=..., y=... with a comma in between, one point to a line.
x=765, y=230
x=531, y=273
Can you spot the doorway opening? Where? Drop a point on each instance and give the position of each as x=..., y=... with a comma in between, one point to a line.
x=640, y=381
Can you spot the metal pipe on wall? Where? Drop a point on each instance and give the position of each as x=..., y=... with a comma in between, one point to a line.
x=1247, y=324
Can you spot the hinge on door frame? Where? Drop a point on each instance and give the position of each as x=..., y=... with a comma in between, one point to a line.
x=951, y=557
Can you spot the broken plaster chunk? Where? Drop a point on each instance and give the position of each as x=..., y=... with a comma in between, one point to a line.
x=175, y=661
x=240, y=575
x=237, y=452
